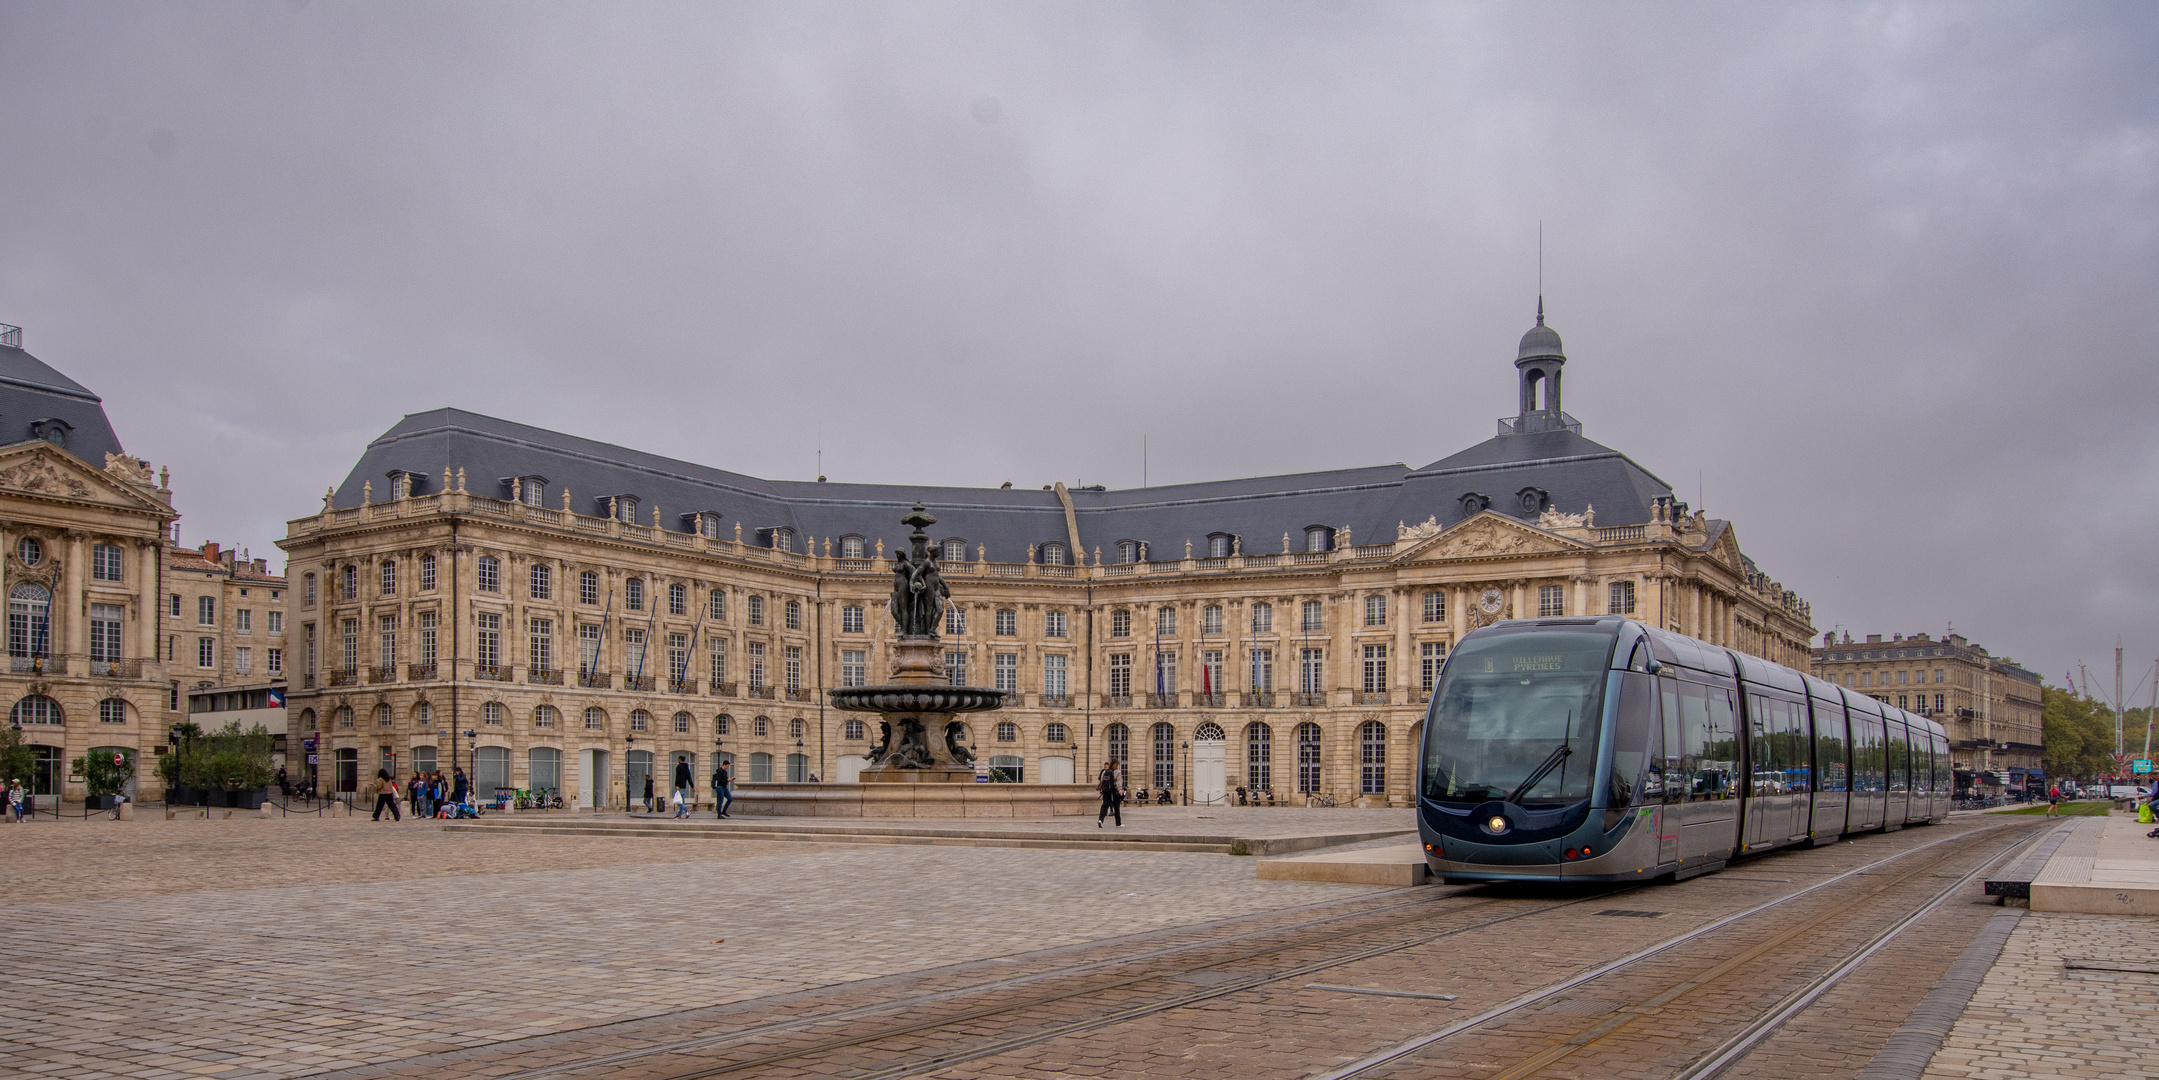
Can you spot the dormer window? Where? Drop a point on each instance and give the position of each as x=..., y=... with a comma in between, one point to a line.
x=530, y=490
x=705, y=523
x=1127, y=551
x=52, y=430
x=1474, y=504
x=851, y=547
x=1053, y=554
x=1318, y=538
x=624, y=507
x=955, y=549
x=1219, y=544
x=404, y=483
x=780, y=539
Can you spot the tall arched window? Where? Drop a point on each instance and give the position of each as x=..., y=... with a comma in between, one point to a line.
x=29, y=623
x=493, y=714
x=35, y=710
x=1164, y=737
x=794, y=728
x=1120, y=748
x=344, y=717
x=1259, y=757
x=595, y=719
x=545, y=716
x=1307, y=758
x=1372, y=748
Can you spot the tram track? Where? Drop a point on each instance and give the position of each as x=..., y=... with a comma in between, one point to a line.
x=1734, y=1048
x=864, y=1035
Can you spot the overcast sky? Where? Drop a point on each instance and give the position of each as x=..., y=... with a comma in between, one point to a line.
x=1876, y=280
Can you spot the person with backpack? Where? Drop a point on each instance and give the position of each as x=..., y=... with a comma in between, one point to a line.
x=722, y=793
x=386, y=795
x=1112, y=794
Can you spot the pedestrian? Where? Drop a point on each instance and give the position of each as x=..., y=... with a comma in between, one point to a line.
x=412, y=792
x=284, y=784
x=15, y=799
x=723, y=795
x=2054, y=800
x=385, y=795
x=1112, y=794
x=683, y=796
x=459, y=786
x=648, y=792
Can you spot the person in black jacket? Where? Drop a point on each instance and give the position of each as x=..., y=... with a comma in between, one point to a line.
x=686, y=794
x=386, y=795
x=459, y=786
x=648, y=792
x=1112, y=794
x=723, y=794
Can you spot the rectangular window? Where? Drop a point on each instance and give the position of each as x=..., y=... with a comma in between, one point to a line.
x=956, y=666
x=718, y=605
x=1622, y=598
x=543, y=581
x=1311, y=671
x=1263, y=671
x=1314, y=620
x=1904, y=678
x=243, y=661
x=1165, y=622
x=275, y=660
x=427, y=574
x=105, y=622
x=176, y=597
x=956, y=624
x=719, y=661
x=350, y=653
x=1435, y=607
x=1120, y=675
x=1263, y=618
x=588, y=588
x=1053, y=624
x=854, y=667
x=427, y=638
x=277, y=622
x=489, y=573
x=389, y=577
x=1941, y=676
x=1551, y=601
x=307, y=647
x=1375, y=669
x=678, y=657
x=1165, y=668
x=850, y=619
x=1375, y=611
x=757, y=611
x=386, y=634
x=243, y=620
x=633, y=650
x=1008, y=622
x=542, y=655
x=678, y=600
x=1937, y=703
x=1120, y=624
x=307, y=595
x=633, y=594
x=206, y=611
x=1007, y=671
x=487, y=643
x=793, y=614
x=588, y=648
x=1053, y=675
x=104, y=562
x=1210, y=620
x=1210, y=671
x=1433, y=656
x=206, y=652
x=757, y=663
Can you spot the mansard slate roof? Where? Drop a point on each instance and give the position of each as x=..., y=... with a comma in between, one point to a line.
x=1573, y=471
x=30, y=391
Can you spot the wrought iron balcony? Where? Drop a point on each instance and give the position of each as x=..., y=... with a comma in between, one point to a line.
x=595, y=680
x=381, y=673
x=682, y=686
x=1162, y=701
x=1263, y=699
x=639, y=682
x=761, y=692
x=117, y=669
x=1116, y=701
x=544, y=676
x=1056, y=701
x=798, y=694
x=1370, y=697
x=723, y=689
x=1307, y=701
x=419, y=672
x=344, y=676
x=491, y=672
x=1207, y=701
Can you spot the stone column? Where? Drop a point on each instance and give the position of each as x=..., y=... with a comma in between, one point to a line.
x=146, y=587
x=78, y=629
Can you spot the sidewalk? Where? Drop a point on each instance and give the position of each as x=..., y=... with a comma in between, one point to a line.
x=2109, y=867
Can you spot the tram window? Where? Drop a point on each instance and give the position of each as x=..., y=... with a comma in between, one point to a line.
x=1829, y=749
x=1710, y=742
x=1674, y=746
x=1899, y=759
x=1760, y=758
x=1634, y=742
x=1867, y=753
x=1793, y=751
x=1722, y=750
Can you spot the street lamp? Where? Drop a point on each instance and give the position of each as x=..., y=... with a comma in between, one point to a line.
x=805, y=762
x=1187, y=748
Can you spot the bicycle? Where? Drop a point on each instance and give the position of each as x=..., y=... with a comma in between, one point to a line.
x=1317, y=800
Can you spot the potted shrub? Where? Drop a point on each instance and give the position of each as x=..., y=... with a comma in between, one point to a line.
x=105, y=771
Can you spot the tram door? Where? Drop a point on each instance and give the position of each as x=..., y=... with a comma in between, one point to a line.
x=1832, y=768
x=1773, y=760
x=1867, y=795
x=1900, y=774
x=1670, y=770
x=1709, y=731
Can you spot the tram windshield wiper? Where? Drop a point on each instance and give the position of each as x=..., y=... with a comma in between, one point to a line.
x=1551, y=761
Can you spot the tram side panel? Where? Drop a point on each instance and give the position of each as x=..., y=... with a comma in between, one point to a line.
x=1869, y=798
x=1708, y=814
x=1832, y=765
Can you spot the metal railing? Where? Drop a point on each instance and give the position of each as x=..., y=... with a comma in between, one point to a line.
x=639, y=682
x=117, y=669
x=544, y=676
x=419, y=672
x=798, y=695
x=762, y=693
x=595, y=680
x=1207, y=701
x=491, y=672
x=723, y=689
x=1116, y=701
x=1307, y=701
x=1056, y=701
x=1371, y=697
x=682, y=686
x=1162, y=701
x=381, y=673
x=1263, y=699
x=344, y=676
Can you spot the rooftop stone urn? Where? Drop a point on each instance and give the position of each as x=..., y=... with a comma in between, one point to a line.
x=920, y=738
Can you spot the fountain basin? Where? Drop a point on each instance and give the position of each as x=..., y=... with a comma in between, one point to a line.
x=904, y=698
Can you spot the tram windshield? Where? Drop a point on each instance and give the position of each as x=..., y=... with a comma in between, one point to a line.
x=1517, y=718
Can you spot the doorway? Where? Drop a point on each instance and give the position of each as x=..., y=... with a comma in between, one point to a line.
x=594, y=773
x=1210, y=753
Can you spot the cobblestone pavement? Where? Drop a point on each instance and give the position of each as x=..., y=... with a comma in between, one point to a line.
x=250, y=947
x=2035, y=1015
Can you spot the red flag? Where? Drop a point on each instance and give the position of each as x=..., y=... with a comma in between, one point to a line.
x=1206, y=677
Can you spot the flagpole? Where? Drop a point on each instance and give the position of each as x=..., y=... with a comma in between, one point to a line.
x=606, y=614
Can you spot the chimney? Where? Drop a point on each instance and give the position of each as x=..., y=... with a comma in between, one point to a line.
x=1874, y=639
x=209, y=551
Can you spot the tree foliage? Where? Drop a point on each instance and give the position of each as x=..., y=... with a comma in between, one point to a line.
x=101, y=774
x=16, y=757
x=2078, y=733
x=229, y=759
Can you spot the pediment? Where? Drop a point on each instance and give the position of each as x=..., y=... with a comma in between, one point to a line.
x=39, y=470
x=1726, y=549
x=1487, y=535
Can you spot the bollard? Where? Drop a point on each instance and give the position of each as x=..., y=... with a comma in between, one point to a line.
x=127, y=811
x=265, y=808
x=171, y=814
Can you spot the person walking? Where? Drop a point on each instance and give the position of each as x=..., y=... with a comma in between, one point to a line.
x=284, y=783
x=1112, y=794
x=648, y=791
x=459, y=786
x=2054, y=800
x=683, y=796
x=385, y=795
x=723, y=795
x=412, y=791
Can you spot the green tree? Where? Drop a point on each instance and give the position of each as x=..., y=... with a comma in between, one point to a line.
x=2078, y=734
x=16, y=757
x=101, y=774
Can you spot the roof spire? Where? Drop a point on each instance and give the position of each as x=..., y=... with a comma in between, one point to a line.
x=1540, y=309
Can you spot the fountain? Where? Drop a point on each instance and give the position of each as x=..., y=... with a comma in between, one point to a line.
x=923, y=761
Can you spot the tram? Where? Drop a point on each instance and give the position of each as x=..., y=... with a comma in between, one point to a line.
x=1603, y=750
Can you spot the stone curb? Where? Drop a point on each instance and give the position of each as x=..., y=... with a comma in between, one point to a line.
x=1908, y=1052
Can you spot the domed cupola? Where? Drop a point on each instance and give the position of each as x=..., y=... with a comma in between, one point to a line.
x=1540, y=362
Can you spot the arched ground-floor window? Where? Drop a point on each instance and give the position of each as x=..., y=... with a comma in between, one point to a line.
x=1372, y=748
x=798, y=768
x=1006, y=769
x=1308, y=744
x=1120, y=751
x=543, y=769
x=1259, y=757
x=638, y=770
x=760, y=768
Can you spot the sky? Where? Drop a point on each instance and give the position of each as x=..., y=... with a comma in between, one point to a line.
x=1874, y=281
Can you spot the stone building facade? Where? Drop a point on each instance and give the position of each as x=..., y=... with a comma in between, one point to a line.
x=224, y=641
x=517, y=597
x=82, y=526
x=1990, y=705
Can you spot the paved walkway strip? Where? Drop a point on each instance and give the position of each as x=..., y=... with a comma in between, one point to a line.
x=1915, y=1044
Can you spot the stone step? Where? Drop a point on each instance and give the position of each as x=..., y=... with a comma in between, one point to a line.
x=1394, y=864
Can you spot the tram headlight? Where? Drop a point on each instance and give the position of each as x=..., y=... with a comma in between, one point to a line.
x=1496, y=825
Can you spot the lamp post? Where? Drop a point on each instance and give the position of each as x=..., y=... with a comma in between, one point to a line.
x=805, y=762
x=629, y=746
x=1187, y=748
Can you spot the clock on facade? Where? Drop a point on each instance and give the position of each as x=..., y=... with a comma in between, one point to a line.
x=1492, y=601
